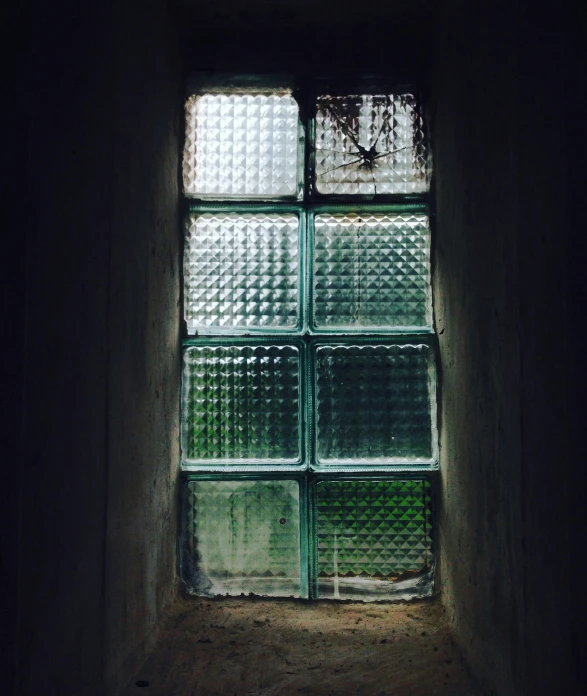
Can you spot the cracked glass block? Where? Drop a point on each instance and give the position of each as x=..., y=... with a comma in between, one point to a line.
x=371, y=271
x=241, y=270
x=241, y=404
x=370, y=144
x=374, y=404
x=242, y=537
x=374, y=539
x=242, y=146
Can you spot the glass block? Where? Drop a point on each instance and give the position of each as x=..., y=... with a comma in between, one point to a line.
x=241, y=271
x=374, y=404
x=370, y=144
x=242, y=537
x=241, y=404
x=373, y=539
x=371, y=271
x=241, y=146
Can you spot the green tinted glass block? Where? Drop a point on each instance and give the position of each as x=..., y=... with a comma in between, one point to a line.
x=370, y=144
x=373, y=539
x=371, y=271
x=241, y=404
x=374, y=404
x=242, y=537
x=241, y=271
x=242, y=146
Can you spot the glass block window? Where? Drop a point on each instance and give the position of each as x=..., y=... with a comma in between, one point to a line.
x=242, y=536
x=370, y=144
x=373, y=403
x=242, y=146
x=373, y=538
x=241, y=403
x=309, y=387
x=242, y=271
x=371, y=271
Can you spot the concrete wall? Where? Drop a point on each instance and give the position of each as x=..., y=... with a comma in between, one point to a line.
x=507, y=535
x=96, y=488
x=307, y=38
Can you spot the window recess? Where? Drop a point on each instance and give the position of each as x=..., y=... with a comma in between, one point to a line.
x=309, y=385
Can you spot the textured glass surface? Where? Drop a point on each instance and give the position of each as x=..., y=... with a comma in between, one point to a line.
x=371, y=271
x=241, y=403
x=241, y=145
x=373, y=404
x=242, y=537
x=370, y=145
x=373, y=538
x=242, y=270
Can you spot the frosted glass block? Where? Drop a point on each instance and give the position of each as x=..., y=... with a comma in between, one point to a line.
x=241, y=270
x=370, y=145
x=373, y=538
x=241, y=404
x=374, y=404
x=371, y=271
x=241, y=146
x=242, y=537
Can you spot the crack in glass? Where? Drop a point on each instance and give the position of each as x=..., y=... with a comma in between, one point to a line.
x=384, y=136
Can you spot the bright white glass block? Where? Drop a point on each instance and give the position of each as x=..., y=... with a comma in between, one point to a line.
x=241, y=146
x=242, y=270
x=371, y=271
x=375, y=404
x=241, y=404
x=370, y=145
x=242, y=537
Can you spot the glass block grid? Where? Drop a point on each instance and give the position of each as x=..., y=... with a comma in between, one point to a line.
x=370, y=144
x=242, y=270
x=241, y=404
x=280, y=426
x=241, y=146
x=373, y=538
x=371, y=271
x=242, y=537
x=373, y=404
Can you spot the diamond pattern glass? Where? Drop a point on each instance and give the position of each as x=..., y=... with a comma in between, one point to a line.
x=370, y=145
x=373, y=538
x=242, y=537
x=241, y=270
x=241, y=404
x=371, y=271
x=262, y=405
x=241, y=146
x=373, y=404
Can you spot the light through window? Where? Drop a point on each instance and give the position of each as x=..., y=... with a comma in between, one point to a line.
x=309, y=387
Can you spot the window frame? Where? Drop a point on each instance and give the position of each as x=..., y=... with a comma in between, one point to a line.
x=308, y=472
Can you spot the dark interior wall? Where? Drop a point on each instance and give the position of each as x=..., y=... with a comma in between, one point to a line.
x=143, y=350
x=507, y=536
x=95, y=492
x=307, y=38
x=477, y=306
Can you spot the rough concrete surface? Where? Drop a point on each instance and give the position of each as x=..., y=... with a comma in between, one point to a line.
x=270, y=648
x=100, y=411
x=476, y=298
x=505, y=537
